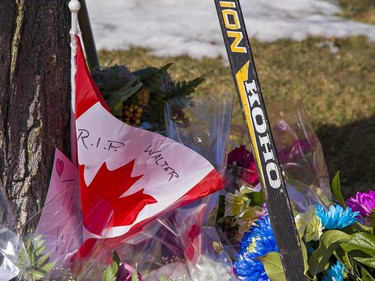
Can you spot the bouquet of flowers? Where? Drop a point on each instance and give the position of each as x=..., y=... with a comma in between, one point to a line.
x=174, y=205
x=337, y=235
x=139, y=205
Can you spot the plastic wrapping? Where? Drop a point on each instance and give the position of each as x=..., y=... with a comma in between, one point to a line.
x=207, y=133
x=180, y=244
x=207, y=126
x=300, y=154
x=60, y=223
x=184, y=244
x=10, y=241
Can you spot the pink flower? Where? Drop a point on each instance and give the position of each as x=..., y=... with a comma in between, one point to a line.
x=363, y=202
x=250, y=175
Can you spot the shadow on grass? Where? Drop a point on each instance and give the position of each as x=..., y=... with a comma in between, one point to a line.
x=350, y=149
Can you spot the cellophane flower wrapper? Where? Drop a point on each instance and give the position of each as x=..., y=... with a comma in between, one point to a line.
x=128, y=178
x=11, y=243
x=158, y=244
x=51, y=237
x=184, y=243
x=300, y=154
x=206, y=132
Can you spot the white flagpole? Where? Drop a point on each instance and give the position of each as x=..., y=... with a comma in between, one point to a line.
x=74, y=7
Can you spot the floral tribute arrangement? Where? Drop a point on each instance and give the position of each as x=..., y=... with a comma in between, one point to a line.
x=338, y=240
x=217, y=231
x=337, y=235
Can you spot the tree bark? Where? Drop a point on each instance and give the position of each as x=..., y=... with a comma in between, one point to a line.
x=34, y=98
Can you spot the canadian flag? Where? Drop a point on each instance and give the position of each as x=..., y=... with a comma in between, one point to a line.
x=128, y=175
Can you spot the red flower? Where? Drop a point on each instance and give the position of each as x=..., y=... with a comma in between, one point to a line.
x=242, y=161
x=239, y=157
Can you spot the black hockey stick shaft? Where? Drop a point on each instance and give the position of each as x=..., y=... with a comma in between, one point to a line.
x=259, y=130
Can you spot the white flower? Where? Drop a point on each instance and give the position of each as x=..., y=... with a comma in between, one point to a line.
x=235, y=204
x=309, y=225
x=210, y=270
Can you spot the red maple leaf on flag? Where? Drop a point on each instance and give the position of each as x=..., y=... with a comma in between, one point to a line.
x=102, y=204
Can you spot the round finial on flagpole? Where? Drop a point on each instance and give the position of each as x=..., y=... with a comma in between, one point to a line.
x=74, y=6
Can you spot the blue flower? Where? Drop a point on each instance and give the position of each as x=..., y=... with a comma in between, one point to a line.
x=249, y=269
x=336, y=217
x=256, y=243
x=335, y=272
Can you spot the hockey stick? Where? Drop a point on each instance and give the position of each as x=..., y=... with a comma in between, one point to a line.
x=256, y=119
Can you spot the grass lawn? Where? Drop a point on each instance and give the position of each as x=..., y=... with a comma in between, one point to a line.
x=337, y=90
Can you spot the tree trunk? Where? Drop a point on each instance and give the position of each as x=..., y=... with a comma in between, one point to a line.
x=34, y=98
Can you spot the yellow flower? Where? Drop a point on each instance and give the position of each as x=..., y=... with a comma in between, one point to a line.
x=309, y=225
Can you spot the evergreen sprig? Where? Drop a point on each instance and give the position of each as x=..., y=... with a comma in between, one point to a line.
x=36, y=264
x=118, y=85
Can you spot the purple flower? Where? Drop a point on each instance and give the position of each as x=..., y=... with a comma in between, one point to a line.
x=125, y=273
x=364, y=203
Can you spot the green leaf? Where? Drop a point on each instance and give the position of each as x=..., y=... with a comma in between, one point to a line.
x=23, y=256
x=345, y=259
x=305, y=257
x=183, y=88
x=257, y=198
x=34, y=263
x=273, y=266
x=115, y=99
x=336, y=190
x=38, y=237
x=37, y=274
x=48, y=267
x=364, y=228
x=163, y=278
x=43, y=259
x=116, y=257
x=328, y=243
x=110, y=272
x=361, y=248
x=112, y=81
x=165, y=67
x=366, y=276
x=135, y=276
x=146, y=73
